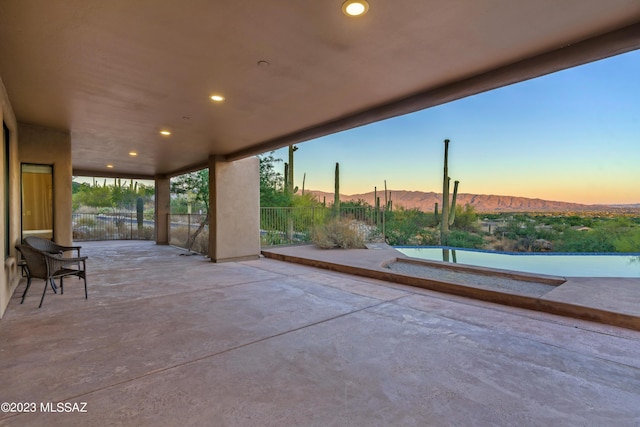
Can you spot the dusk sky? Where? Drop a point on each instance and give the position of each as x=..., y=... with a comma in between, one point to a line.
x=571, y=136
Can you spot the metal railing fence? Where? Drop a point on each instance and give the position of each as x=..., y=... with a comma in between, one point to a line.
x=185, y=231
x=280, y=226
x=111, y=226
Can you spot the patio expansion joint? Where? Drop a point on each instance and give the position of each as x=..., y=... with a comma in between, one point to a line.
x=228, y=350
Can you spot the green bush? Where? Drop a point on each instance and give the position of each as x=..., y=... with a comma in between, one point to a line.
x=87, y=221
x=585, y=241
x=629, y=242
x=408, y=227
x=466, y=218
x=273, y=237
x=464, y=239
x=338, y=233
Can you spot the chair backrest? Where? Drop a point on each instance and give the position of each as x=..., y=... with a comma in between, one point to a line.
x=36, y=261
x=43, y=245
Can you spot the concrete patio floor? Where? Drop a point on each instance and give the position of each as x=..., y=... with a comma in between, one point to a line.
x=170, y=340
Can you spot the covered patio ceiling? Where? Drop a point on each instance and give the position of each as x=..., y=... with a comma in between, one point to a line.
x=117, y=73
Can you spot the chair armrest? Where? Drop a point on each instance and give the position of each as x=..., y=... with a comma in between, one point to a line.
x=66, y=258
x=70, y=248
x=57, y=262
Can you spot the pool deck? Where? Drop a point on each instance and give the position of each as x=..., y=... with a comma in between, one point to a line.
x=613, y=301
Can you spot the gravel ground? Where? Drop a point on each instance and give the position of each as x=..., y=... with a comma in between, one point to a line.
x=495, y=283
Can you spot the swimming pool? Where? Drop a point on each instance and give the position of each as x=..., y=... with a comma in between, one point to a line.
x=556, y=264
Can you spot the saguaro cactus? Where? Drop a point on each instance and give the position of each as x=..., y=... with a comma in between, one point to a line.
x=444, y=224
x=386, y=199
x=304, y=178
x=292, y=149
x=448, y=211
x=452, y=213
x=375, y=205
x=286, y=177
x=336, y=196
x=140, y=213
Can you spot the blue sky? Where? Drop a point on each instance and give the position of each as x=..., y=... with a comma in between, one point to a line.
x=572, y=136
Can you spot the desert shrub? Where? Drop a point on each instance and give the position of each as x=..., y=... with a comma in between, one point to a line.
x=464, y=239
x=585, y=241
x=146, y=233
x=466, y=218
x=407, y=227
x=629, y=242
x=338, y=233
x=80, y=233
x=178, y=236
x=407, y=236
x=201, y=244
x=88, y=221
x=85, y=210
x=273, y=237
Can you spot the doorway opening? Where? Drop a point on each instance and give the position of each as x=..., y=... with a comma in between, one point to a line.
x=37, y=200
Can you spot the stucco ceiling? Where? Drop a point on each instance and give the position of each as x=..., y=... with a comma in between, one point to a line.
x=114, y=73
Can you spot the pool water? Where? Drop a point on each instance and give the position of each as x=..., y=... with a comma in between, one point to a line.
x=556, y=264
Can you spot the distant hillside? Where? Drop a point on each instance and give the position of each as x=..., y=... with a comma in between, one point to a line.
x=482, y=202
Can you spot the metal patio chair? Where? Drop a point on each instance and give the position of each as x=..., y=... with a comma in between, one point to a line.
x=46, y=266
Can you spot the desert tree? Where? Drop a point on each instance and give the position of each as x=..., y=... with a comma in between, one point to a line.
x=194, y=186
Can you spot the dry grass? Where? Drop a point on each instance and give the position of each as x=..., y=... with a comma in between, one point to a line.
x=338, y=233
x=179, y=236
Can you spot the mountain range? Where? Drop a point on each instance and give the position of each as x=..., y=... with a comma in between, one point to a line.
x=487, y=203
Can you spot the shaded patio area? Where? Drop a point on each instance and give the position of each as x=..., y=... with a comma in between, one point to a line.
x=167, y=339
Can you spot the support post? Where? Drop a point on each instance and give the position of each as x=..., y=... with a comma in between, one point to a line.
x=162, y=209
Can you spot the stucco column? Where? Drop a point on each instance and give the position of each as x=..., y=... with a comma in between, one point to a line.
x=163, y=208
x=234, y=209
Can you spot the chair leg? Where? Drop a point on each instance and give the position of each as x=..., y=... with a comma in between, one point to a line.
x=62, y=286
x=24, y=294
x=46, y=284
x=86, y=296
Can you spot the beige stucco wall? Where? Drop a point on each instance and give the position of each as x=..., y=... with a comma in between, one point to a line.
x=234, y=201
x=38, y=145
x=10, y=277
x=45, y=146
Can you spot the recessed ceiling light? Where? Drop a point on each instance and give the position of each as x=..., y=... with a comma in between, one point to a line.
x=165, y=132
x=355, y=7
x=110, y=166
x=133, y=153
x=217, y=98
